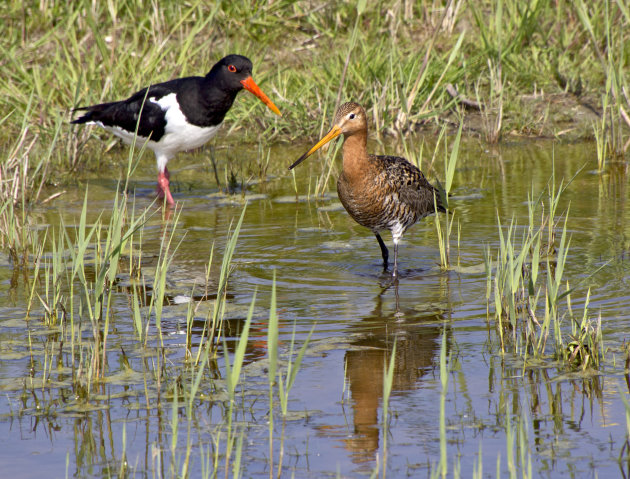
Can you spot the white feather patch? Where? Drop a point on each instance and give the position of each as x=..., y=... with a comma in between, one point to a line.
x=397, y=231
x=179, y=135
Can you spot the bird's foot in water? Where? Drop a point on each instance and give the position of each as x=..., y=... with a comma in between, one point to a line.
x=163, y=191
x=388, y=279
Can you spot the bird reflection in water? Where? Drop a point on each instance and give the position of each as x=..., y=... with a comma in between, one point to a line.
x=417, y=346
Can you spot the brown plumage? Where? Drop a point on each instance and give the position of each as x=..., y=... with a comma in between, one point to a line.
x=379, y=192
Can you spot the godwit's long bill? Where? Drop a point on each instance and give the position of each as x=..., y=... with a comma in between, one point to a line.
x=379, y=192
x=179, y=114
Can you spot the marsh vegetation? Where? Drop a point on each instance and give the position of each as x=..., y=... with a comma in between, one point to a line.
x=247, y=332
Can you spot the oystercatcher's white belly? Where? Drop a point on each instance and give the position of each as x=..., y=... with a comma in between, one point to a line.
x=179, y=135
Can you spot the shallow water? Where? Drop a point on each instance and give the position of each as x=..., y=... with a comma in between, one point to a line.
x=328, y=274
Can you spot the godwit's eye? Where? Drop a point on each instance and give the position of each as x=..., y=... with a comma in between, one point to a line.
x=232, y=68
x=351, y=116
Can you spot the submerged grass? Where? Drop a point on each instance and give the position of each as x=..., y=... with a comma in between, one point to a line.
x=532, y=309
x=58, y=55
x=513, y=418
x=78, y=278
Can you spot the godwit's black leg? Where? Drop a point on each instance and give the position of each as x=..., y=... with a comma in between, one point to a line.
x=395, y=281
x=384, y=250
x=395, y=272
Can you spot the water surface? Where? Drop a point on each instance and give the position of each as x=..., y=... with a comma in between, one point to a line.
x=328, y=274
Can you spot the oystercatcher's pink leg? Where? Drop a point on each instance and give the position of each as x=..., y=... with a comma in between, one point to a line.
x=163, y=189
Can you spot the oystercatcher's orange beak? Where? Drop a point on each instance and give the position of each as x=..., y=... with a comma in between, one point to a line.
x=250, y=85
x=333, y=133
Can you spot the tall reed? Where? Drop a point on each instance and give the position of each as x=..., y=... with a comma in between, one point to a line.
x=444, y=235
x=528, y=306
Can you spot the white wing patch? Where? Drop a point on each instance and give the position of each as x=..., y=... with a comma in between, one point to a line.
x=397, y=231
x=179, y=134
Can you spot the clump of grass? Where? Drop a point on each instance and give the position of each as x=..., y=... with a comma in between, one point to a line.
x=492, y=108
x=528, y=306
x=609, y=131
x=585, y=348
x=601, y=139
x=110, y=241
x=444, y=236
x=21, y=184
x=502, y=35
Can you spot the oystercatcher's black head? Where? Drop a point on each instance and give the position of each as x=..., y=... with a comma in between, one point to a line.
x=231, y=70
x=233, y=73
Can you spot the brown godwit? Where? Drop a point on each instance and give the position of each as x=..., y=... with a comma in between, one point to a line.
x=379, y=192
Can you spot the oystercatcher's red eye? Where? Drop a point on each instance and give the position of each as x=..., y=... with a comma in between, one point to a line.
x=232, y=68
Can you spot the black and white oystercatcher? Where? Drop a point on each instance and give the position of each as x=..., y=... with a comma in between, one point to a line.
x=179, y=114
x=379, y=192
